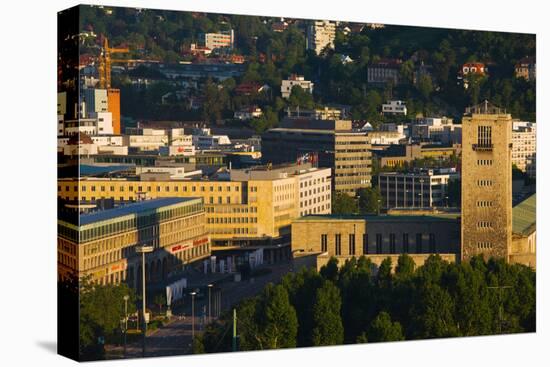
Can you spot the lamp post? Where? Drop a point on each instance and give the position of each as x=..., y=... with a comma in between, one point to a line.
x=193, y=315
x=143, y=250
x=210, y=302
x=126, y=297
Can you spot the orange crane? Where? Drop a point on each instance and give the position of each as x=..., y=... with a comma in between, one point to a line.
x=105, y=63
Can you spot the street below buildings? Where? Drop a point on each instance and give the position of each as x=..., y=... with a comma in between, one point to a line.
x=175, y=338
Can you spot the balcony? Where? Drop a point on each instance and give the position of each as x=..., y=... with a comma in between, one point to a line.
x=482, y=147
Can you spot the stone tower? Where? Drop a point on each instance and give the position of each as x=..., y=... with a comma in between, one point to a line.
x=486, y=226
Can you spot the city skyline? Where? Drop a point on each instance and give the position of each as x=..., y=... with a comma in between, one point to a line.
x=278, y=170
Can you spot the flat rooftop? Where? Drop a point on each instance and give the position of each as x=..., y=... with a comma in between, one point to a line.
x=381, y=218
x=134, y=208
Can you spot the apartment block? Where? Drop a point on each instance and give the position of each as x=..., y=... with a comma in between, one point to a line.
x=320, y=35
x=524, y=147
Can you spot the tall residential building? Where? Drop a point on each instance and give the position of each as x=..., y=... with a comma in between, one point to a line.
x=524, y=147
x=320, y=34
x=95, y=100
x=486, y=182
x=333, y=143
x=113, y=106
x=102, y=244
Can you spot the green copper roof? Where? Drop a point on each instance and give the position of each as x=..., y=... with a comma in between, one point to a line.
x=524, y=216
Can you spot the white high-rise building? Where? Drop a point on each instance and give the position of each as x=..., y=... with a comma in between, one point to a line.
x=524, y=146
x=320, y=34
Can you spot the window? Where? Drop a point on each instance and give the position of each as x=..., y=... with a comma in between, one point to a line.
x=433, y=250
x=378, y=243
x=405, y=242
x=338, y=240
x=352, y=243
x=419, y=243
x=324, y=245
x=365, y=243
x=484, y=138
x=392, y=243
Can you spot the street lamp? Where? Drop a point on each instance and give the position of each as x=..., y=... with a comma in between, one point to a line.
x=143, y=250
x=210, y=302
x=193, y=315
x=126, y=298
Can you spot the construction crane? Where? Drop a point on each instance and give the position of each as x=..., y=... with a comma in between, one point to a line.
x=105, y=63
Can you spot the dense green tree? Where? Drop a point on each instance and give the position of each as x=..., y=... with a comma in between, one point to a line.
x=302, y=288
x=342, y=203
x=330, y=270
x=300, y=98
x=382, y=329
x=370, y=200
x=425, y=86
x=433, y=313
x=101, y=311
x=384, y=276
x=327, y=322
x=215, y=101
x=278, y=323
x=405, y=266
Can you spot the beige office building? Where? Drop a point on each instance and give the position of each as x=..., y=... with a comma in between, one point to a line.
x=242, y=208
x=486, y=182
x=103, y=244
x=376, y=237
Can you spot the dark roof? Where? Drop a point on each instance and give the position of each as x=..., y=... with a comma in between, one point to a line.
x=90, y=170
x=81, y=138
x=134, y=208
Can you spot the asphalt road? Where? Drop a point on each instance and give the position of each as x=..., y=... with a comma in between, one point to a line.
x=175, y=338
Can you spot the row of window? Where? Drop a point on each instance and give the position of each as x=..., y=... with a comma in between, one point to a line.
x=484, y=183
x=325, y=209
x=314, y=191
x=379, y=243
x=219, y=220
x=315, y=201
x=484, y=224
x=140, y=188
x=484, y=162
x=484, y=203
x=313, y=182
x=225, y=209
x=484, y=245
